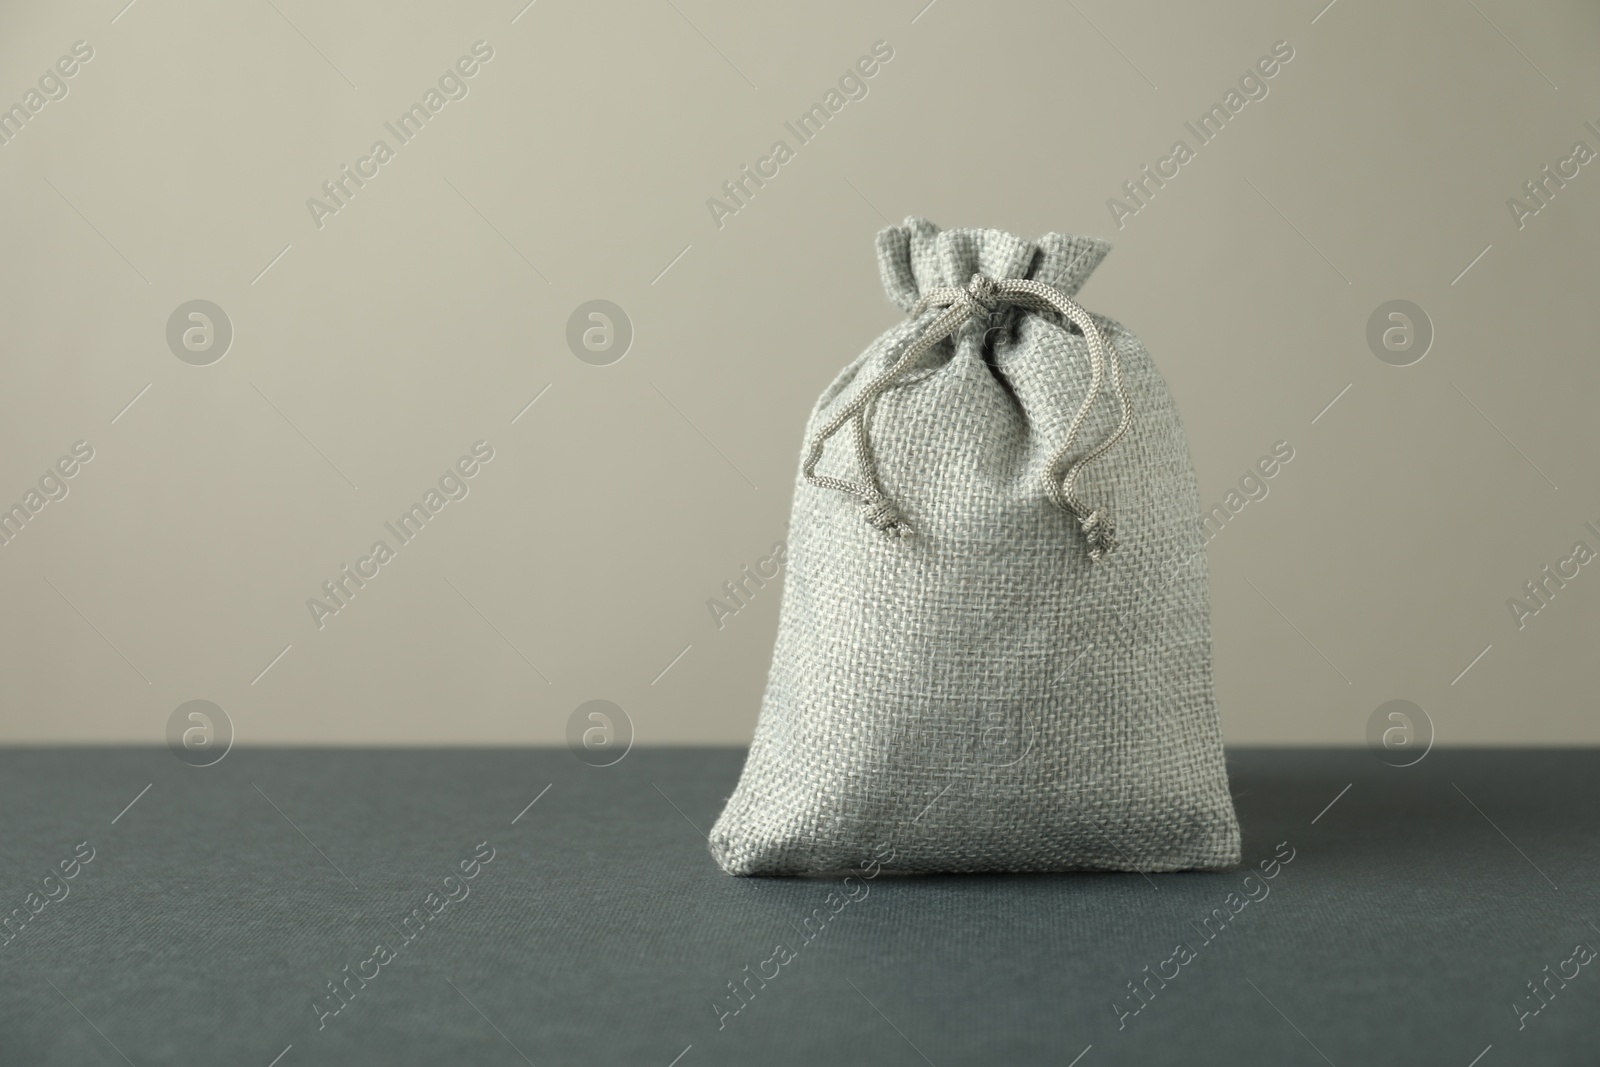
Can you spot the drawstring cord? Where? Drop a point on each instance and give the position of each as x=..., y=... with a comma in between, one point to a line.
x=987, y=296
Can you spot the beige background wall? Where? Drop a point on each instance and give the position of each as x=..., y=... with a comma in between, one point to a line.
x=372, y=352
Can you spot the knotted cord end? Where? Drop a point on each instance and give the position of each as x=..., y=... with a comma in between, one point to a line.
x=881, y=514
x=1101, y=532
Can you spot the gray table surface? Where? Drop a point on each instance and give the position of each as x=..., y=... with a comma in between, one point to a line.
x=218, y=907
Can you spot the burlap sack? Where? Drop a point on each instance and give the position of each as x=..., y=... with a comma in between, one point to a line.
x=994, y=647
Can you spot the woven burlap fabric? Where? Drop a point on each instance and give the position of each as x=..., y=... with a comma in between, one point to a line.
x=982, y=695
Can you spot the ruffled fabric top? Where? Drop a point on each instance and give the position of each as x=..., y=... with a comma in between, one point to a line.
x=916, y=256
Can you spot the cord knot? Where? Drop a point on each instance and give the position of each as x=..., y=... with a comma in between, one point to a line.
x=882, y=515
x=1100, y=531
x=984, y=292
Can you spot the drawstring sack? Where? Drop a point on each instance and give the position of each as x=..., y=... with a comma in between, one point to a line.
x=994, y=647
